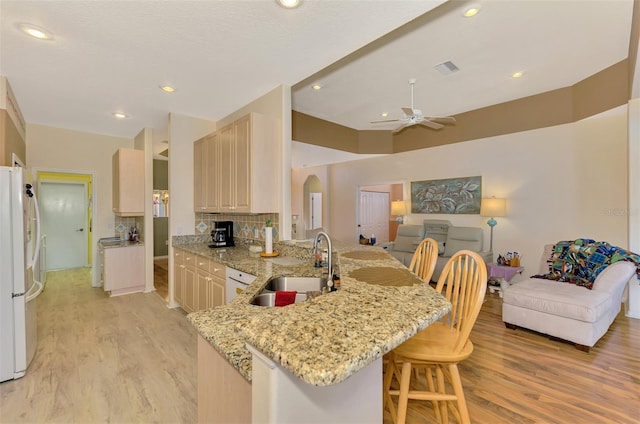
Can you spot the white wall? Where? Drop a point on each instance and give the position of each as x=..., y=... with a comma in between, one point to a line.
x=57, y=149
x=61, y=149
x=298, y=178
x=633, y=306
x=183, y=131
x=275, y=105
x=144, y=141
x=562, y=182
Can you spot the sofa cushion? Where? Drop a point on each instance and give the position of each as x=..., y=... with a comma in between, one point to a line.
x=408, y=238
x=565, y=300
x=459, y=238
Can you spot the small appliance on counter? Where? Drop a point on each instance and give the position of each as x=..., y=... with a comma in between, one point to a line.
x=222, y=234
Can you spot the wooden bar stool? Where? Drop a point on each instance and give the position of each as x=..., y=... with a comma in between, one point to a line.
x=423, y=262
x=441, y=346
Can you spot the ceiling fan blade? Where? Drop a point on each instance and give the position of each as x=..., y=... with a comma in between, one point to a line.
x=387, y=120
x=401, y=127
x=441, y=118
x=408, y=111
x=430, y=124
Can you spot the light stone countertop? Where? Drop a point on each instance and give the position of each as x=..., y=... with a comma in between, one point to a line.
x=324, y=340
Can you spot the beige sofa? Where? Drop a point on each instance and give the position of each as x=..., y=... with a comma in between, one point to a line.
x=567, y=311
x=450, y=238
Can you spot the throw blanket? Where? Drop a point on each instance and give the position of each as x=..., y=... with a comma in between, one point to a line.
x=580, y=261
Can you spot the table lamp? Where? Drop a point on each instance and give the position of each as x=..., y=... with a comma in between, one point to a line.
x=493, y=207
x=399, y=207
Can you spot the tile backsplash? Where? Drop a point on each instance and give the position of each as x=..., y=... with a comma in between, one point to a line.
x=123, y=224
x=249, y=227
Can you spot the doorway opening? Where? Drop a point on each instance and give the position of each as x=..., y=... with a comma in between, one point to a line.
x=66, y=211
x=161, y=227
x=374, y=211
x=312, y=207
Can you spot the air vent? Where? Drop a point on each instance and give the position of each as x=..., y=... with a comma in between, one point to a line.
x=446, y=68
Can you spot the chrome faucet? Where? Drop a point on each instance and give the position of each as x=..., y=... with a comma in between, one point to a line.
x=316, y=242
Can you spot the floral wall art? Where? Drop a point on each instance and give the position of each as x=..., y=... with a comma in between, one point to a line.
x=453, y=195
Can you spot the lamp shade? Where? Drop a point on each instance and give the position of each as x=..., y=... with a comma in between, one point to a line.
x=493, y=207
x=398, y=207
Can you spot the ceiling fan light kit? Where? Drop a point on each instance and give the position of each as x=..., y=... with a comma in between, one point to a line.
x=413, y=116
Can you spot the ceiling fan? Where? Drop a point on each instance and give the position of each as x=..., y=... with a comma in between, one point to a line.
x=414, y=116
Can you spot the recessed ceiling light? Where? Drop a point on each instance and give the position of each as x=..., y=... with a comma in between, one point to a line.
x=167, y=88
x=36, y=32
x=316, y=86
x=289, y=4
x=120, y=115
x=384, y=114
x=471, y=11
x=517, y=74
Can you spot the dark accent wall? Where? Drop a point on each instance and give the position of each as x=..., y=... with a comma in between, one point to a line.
x=160, y=174
x=598, y=93
x=10, y=141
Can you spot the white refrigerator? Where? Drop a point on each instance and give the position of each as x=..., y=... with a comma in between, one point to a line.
x=19, y=245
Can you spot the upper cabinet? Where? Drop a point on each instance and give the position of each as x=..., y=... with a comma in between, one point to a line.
x=241, y=161
x=128, y=182
x=205, y=174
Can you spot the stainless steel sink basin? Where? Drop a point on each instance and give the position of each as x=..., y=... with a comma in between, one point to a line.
x=302, y=285
x=269, y=299
x=299, y=284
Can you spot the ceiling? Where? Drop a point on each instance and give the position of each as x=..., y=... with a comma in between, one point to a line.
x=109, y=56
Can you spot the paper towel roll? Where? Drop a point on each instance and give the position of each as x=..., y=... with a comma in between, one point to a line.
x=268, y=240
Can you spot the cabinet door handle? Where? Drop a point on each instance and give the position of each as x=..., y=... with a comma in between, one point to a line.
x=216, y=269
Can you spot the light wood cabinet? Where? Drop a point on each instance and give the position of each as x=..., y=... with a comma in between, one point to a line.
x=189, y=283
x=184, y=279
x=123, y=269
x=244, y=164
x=227, y=168
x=128, y=182
x=206, y=174
x=224, y=396
x=178, y=275
x=199, y=282
x=217, y=285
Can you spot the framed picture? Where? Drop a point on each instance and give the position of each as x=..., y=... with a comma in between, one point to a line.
x=453, y=195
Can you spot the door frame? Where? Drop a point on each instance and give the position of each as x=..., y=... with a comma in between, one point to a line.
x=95, y=212
x=86, y=249
x=405, y=194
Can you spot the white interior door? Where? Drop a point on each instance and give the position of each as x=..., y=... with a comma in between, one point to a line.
x=374, y=215
x=63, y=213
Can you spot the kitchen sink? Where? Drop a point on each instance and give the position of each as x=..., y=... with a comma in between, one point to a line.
x=302, y=285
x=299, y=284
x=269, y=299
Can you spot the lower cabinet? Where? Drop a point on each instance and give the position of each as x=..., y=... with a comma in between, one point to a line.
x=199, y=282
x=122, y=269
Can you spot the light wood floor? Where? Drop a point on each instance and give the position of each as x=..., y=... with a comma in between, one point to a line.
x=124, y=359
x=524, y=377
x=129, y=359
x=161, y=277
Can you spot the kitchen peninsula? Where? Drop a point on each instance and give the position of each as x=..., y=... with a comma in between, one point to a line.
x=329, y=347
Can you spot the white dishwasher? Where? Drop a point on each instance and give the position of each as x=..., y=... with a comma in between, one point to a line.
x=237, y=282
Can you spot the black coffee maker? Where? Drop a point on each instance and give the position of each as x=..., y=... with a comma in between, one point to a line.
x=222, y=234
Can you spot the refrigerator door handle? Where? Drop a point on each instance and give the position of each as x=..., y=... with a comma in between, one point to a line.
x=36, y=209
